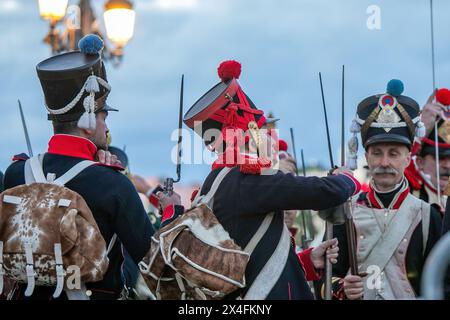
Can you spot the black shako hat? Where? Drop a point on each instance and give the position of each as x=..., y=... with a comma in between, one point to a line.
x=75, y=82
x=389, y=117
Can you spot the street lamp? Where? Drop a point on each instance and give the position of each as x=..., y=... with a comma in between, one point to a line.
x=119, y=19
x=52, y=10
x=79, y=20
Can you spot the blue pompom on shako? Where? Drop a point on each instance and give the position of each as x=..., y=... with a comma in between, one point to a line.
x=395, y=87
x=90, y=44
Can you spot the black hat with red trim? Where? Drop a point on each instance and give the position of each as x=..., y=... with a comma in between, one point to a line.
x=385, y=118
x=74, y=83
x=224, y=106
x=429, y=143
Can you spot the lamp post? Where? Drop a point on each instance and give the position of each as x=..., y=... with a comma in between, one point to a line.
x=79, y=20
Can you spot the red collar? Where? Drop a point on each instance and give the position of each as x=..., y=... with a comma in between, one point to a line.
x=397, y=202
x=72, y=146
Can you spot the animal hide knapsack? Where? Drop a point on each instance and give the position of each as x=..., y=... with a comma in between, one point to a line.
x=46, y=228
x=193, y=257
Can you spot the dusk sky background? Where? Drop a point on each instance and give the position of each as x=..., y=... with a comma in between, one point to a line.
x=282, y=46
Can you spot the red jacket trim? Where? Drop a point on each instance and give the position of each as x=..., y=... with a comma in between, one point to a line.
x=355, y=181
x=307, y=265
x=168, y=212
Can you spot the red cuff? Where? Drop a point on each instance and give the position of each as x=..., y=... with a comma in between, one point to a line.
x=168, y=212
x=307, y=264
x=19, y=157
x=355, y=181
x=154, y=200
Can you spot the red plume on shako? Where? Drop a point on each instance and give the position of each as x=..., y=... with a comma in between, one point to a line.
x=443, y=96
x=228, y=70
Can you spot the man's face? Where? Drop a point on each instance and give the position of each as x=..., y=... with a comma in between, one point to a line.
x=99, y=136
x=387, y=163
x=427, y=165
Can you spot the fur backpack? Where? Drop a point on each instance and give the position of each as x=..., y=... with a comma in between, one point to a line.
x=47, y=230
x=193, y=257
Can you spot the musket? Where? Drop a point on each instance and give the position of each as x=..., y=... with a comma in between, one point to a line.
x=303, y=163
x=348, y=217
x=305, y=238
x=328, y=225
x=433, y=72
x=25, y=130
x=168, y=184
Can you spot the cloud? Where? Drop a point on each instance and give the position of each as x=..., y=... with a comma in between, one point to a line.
x=8, y=6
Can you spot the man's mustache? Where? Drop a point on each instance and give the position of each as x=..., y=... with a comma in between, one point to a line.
x=383, y=170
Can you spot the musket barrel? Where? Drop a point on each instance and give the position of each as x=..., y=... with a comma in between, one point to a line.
x=25, y=130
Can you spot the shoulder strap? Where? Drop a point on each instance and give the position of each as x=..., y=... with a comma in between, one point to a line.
x=272, y=270
x=28, y=174
x=208, y=198
x=387, y=244
x=426, y=212
x=33, y=171
x=251, y=245
x=73, y=172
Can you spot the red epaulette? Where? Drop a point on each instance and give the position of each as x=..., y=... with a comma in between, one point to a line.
x=20, y=157
x=254, y=166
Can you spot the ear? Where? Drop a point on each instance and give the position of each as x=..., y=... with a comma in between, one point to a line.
x=408, y=159
x=419, y=162
x=87, y=132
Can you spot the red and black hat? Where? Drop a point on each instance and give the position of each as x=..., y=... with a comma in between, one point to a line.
x=429, y=143
x=389, y=117
x=75, y=82
x=223, y=106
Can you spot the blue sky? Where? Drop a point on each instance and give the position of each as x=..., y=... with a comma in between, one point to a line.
x=282, y=46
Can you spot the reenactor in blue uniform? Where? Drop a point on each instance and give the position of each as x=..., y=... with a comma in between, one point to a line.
x=252, y=190
x=80, y=131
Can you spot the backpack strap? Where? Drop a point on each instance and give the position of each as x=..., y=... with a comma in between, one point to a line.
x=33, y=171
x=272, y=270
x=59, y=270
x=28, y=174
x=208, y=198
x=73, y=172
x=251, y=245
x=29, y=269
